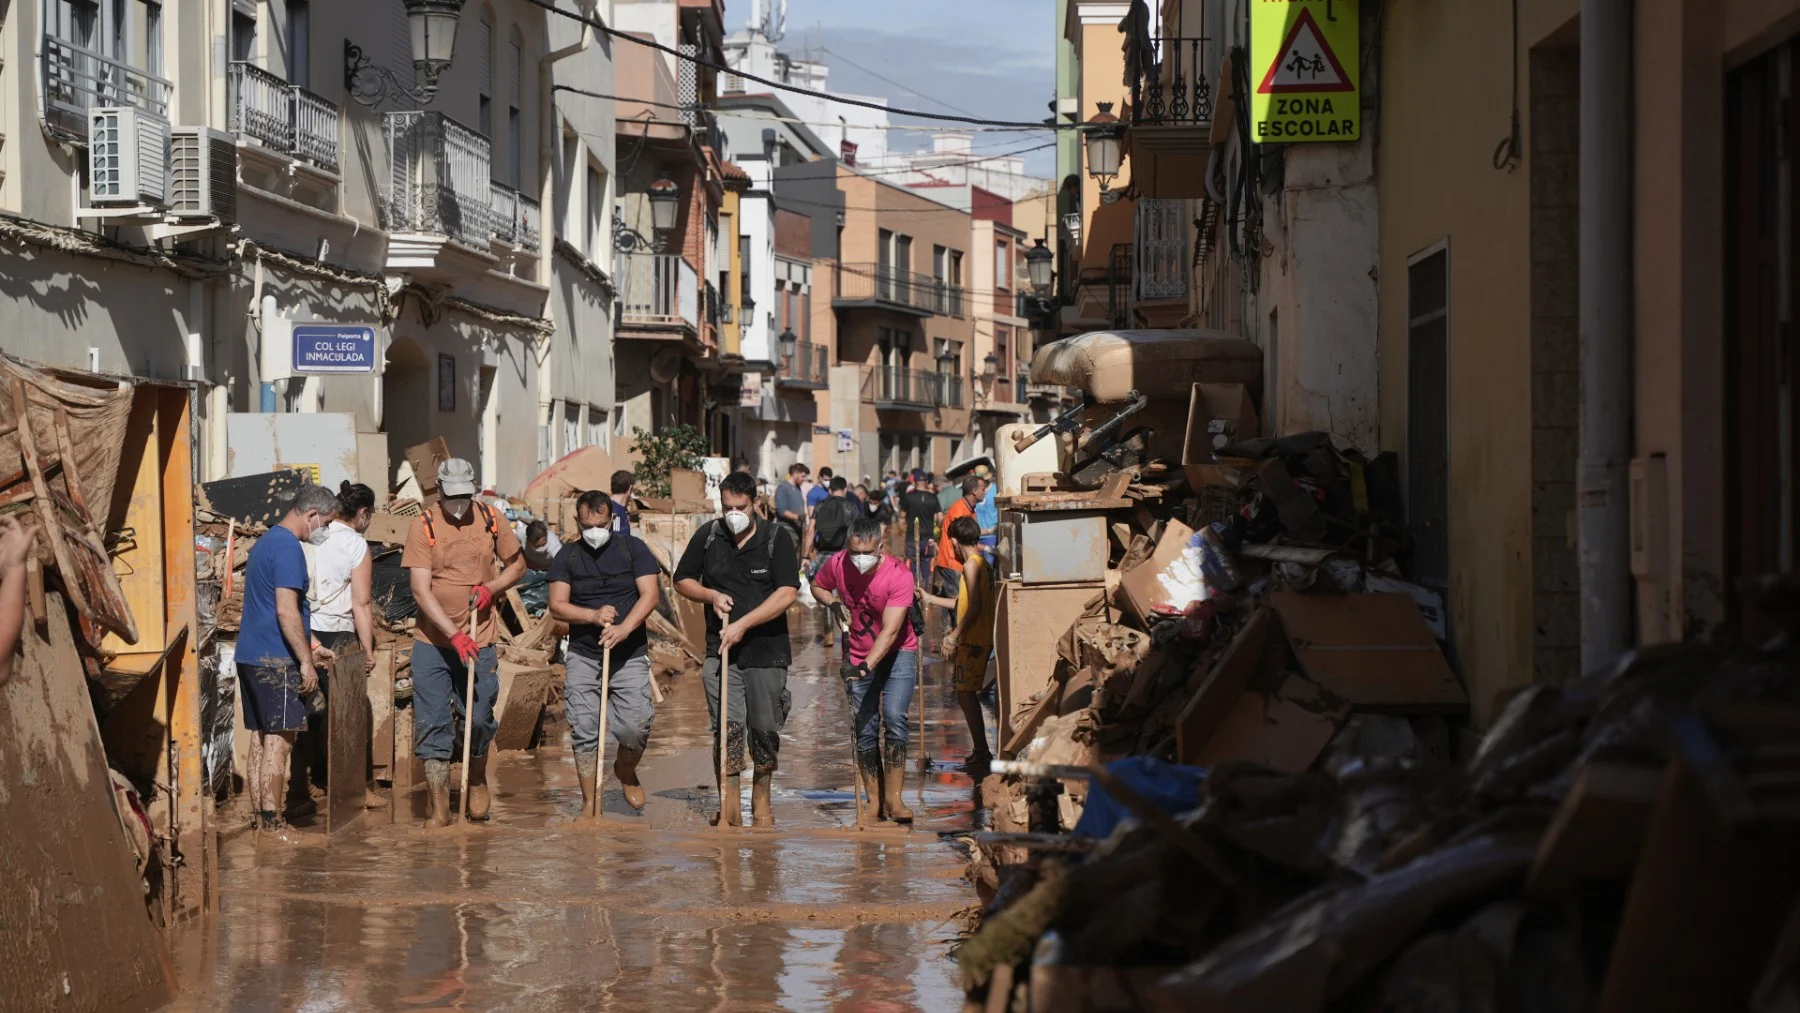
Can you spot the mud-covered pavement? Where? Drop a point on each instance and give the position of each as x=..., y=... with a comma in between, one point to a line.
x=538, y=911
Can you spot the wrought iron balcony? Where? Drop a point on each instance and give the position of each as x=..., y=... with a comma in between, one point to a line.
x=1178, y=89
x=658, y=290
x=439, y=180
x=806, y=369
x=76, y=80
x=516, y=217
x=897, y=388
x=879, y=285
x=283, y=117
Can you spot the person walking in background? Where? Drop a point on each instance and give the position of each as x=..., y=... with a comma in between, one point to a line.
x=827, y=532
x=605, y=587
x=541, y=546
x=790, y=502
x=450, y=555
x=746, y=571
x=919, y=510
x=880, y=661
x=819, y=491
x=277, y=658
x=987, y=515
x=622, y=482
x=947, y=568
x=971, y=640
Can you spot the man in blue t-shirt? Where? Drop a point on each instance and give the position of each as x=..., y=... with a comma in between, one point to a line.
x=276, y=655
x=820, y=492
x=605, y=586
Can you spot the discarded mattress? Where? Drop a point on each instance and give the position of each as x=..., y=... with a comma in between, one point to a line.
x=1109, y=365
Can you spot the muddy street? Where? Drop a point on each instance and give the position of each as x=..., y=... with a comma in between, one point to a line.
x=535, y=910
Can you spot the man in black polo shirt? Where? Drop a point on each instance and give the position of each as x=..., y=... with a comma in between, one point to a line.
x=605, y=586
x=920, y=508
x=746, y=569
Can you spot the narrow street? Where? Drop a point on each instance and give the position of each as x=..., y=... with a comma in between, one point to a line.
x=535, y=911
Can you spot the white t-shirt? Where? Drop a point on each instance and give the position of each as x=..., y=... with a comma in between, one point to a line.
x=329, y=565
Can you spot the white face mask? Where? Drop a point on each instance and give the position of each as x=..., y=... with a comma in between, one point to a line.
x=320, y=535
x=737, y=520
x=864, y=561
x=595, y=537
x=456, y=509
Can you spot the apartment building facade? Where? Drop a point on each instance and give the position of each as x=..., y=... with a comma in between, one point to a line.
x=308, y=182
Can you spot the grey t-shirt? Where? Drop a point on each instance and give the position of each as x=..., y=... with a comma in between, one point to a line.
x=789, y=497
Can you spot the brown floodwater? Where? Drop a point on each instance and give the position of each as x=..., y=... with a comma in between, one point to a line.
x=536, y=910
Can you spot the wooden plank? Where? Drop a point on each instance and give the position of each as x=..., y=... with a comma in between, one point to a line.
x=409, y=801
x=381, y=716
x=347, y=741
x=1374, y=650
x=523, y=691
x=196, y=882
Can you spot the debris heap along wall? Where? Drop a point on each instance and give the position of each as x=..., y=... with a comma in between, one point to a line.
x=77, y=934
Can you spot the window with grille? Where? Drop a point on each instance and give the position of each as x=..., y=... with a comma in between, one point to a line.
x=1163, y=242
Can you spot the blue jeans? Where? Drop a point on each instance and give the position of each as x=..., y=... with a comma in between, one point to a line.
x=439, y=682
x=890, y=687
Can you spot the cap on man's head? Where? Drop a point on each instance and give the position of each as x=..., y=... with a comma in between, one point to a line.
x=456, y=477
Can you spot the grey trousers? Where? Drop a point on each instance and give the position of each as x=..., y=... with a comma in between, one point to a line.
x=758, y=699
x=630, y=711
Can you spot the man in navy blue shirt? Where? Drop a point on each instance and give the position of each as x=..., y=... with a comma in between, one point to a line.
x=622, y=481
x=820, y=492
x=276, y=655
x=605, y=586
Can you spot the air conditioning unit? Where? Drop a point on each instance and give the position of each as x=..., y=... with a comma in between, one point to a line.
x=128, y=157
x=203, y=174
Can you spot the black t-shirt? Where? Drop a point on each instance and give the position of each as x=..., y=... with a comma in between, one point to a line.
x=598, y=579
x=921, y=507
x=749, y=575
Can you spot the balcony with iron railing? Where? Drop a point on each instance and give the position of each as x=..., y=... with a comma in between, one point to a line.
x=75, y=80
x=1178, y=88
x=516, y=218
x=439, y=178
x=808, y=368
x=883, y=287
x=658, y=292
x=283, y=117
x=897, y=388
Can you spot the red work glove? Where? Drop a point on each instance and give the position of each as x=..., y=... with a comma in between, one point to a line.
x=466, y=648
x=484, y=598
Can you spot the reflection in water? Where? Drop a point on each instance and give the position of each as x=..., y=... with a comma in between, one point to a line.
x=538, y=911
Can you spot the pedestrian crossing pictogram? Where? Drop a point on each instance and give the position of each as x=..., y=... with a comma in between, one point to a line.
x=1305, y=63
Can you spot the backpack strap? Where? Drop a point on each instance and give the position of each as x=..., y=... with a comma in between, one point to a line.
x=487, y=518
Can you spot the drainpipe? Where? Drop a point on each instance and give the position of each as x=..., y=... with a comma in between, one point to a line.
x=1601, y=507
x=549, y=226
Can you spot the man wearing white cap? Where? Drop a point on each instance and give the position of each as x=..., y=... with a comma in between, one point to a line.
x=451, y=553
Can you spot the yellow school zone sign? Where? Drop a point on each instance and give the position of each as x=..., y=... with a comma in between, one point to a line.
x=1304, y=72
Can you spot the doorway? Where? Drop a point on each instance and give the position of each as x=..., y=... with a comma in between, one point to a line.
x=407, y=408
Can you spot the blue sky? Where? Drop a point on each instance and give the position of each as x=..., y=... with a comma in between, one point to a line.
x=993, y=58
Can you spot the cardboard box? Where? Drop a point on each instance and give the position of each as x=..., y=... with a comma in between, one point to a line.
x=1373, y=650
x=1219, y=414
x=688, y=485
x=1143, y=587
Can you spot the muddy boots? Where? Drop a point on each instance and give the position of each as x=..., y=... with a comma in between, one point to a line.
x=478, y=788
x=731, y=802
x=760, y=813
x=437, y=789
x=868, y=783
x=893, y=778
x=625, y=767
x=585, y=765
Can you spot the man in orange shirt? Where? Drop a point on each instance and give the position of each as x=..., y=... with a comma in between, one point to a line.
x=450, y=556
x=946, y=569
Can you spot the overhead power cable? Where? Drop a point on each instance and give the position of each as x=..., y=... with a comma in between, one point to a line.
x=600, y=26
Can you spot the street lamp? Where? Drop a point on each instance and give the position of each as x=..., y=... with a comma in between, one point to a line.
x=665, y=204
x=1040, y=268
x=1105, y=148
x=790, y=343
x=990, y=369
x=433, y=28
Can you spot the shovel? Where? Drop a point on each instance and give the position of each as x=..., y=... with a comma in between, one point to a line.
x=724, y=729
x=605, y=699
x=468, y=716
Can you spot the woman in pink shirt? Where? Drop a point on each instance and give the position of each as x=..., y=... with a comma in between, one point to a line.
x=872, y=592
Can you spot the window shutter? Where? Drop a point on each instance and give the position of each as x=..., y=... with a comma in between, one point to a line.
x=518, y=72
x=400, y=33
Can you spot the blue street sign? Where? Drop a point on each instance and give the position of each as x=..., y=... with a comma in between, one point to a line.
x=334, y=348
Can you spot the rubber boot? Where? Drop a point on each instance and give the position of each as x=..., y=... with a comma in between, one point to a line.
x=585, y=764
x=893, y=778
x=760, y=813
x=731, y=802
x=437, y=789
x=478, y=790
x=868, y=778
x=625, y=768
